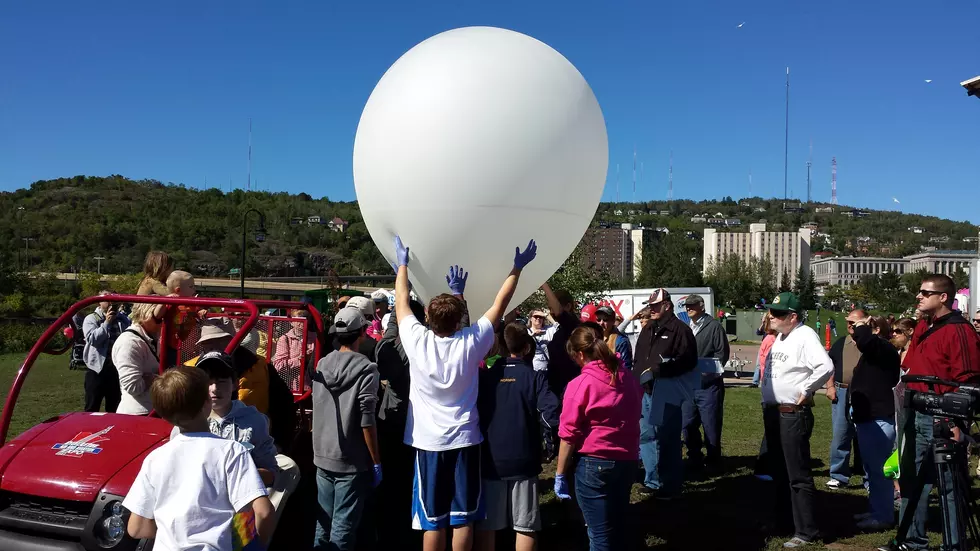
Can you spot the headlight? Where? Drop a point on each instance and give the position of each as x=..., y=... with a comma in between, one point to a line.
x=111, y=528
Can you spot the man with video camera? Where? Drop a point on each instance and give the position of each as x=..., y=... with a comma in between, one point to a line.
x=944, y=345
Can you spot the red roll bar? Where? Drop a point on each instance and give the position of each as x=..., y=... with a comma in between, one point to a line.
x=232, y=304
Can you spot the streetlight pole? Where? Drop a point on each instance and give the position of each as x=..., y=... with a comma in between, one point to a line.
x=259, y=236
x=98, y=259
x=27, y=251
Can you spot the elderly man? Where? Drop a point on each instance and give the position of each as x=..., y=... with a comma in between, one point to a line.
x=797, y=367
x=100, y=330
x=708, y=405
x=666, y=364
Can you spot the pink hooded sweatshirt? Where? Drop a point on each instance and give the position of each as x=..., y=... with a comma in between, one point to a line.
x=600, y=417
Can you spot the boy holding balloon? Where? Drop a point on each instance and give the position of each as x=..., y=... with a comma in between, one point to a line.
x=443, y=423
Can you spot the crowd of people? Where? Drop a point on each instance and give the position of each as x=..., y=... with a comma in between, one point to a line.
x=440, y=425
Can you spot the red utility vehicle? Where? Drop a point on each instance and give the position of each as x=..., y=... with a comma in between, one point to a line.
x=62, y=482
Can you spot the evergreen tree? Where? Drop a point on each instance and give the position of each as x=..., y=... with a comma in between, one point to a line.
x=785, y=282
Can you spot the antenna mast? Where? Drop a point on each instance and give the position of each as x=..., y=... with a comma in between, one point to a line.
x=634, y=173
x=833, y=181
x=809, y=190
x=617, y=182
x=670, y=178
x=248, y=183
x=750, y=182
x=786, y=143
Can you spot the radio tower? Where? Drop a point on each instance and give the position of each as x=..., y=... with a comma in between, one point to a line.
x=833, y=181
x=248, y=183
x=670, y=177
x=809, y=188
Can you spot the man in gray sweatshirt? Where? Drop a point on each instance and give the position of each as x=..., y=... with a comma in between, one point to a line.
x=709, y=402
x=345, y=439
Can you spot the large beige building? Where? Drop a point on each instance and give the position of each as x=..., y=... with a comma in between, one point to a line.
x=849, y=270
x=788, y=251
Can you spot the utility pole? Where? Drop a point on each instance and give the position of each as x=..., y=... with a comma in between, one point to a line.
x=27, y=251
x=809, y=162
x=99, y=259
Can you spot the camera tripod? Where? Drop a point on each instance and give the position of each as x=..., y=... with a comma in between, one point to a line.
x=949, y=459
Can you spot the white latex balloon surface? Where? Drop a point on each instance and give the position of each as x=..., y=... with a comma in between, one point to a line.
x=474, y=142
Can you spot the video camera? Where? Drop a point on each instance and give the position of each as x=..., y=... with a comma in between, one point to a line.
x=962, y=403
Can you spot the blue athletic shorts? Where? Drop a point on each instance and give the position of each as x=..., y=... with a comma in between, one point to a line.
x=447, y=488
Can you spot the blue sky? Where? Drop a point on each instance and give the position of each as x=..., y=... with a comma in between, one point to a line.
x=164, y=90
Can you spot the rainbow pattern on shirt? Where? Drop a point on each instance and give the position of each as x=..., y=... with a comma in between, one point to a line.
x=243, y=534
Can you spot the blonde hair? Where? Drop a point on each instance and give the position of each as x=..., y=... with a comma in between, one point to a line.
x=158, y=265
x=177, y=277
x=142, y=312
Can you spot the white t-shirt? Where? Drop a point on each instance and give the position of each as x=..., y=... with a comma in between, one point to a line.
x=192, y=486
x=797, y=365
x=445, y=374
x=541, y=342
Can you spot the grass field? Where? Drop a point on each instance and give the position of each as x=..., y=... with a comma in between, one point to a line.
x=724, y=512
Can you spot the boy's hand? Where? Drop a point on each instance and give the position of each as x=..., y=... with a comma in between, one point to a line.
x=377, y=476
x=456, y=279
x=401, y=252
x=522, y=259
x=561, y=487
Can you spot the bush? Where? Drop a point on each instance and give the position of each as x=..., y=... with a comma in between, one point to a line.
x=19, y=337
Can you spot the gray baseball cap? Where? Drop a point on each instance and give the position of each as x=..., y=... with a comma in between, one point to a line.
x=348, y=320
x=693, y=300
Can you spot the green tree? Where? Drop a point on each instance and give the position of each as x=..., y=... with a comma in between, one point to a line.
x=764, y=273
x=785, y=283
x=960, y=278
x=669, y=260
x=733, y=281
x=805, y=289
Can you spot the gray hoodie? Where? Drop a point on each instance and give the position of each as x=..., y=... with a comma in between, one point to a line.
x=250, y=427
x=345, y=396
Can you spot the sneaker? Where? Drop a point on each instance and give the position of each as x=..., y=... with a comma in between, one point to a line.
x=764, y=477
x=862, y=516
x=892, y=546
x=796, y=542
x=873, y=525
x=835, y=484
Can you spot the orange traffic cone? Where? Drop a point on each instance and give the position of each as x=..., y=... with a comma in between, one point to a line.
x=827, y=340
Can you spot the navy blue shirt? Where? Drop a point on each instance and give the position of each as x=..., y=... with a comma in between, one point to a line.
x=514, y=403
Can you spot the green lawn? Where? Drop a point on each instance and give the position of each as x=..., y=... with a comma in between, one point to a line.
x=51, y=388
x=724, y=512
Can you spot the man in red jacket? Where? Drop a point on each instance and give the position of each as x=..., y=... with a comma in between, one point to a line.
x=943, y=345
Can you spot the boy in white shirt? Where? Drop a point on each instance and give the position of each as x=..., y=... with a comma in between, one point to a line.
x=797, y=367
x=189, y=490
x=443, y=423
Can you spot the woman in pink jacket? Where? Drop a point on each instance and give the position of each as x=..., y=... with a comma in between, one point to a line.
x=600, y=439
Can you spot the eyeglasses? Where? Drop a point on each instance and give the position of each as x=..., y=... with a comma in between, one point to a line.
x=928, y=293
x=850, y=323
x=976, y=320
x=538, y=317
x=779, y=314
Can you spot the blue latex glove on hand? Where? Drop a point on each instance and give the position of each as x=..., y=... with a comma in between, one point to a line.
x=561, y=487
x=401, y=253
x=522, y=259
x=377, y=476
x=456, y=279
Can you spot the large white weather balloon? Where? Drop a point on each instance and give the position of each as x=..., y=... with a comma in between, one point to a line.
x=475, y=141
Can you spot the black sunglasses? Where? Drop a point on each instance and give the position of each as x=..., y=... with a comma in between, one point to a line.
x=538, y=317
x=977, y=320
x=779, y=314
x=928, y=293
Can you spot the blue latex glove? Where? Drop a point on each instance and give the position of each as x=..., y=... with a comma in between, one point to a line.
x=522, y=259
x=401, y=253
x=561, y=487
x=456, y=279
x=377, y=476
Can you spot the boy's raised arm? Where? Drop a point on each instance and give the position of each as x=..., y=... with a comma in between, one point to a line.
x=402, y=310
x=521, y=259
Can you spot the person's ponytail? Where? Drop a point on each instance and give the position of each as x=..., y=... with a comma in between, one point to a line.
x=593, y=348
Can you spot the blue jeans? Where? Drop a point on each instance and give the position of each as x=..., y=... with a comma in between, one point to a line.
x=602, y=489
x=755, y=376
x=877, y=439
x=660, y=449
x=840, y=443
x=916, y=537
x=340, y=499
x=707, y=409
